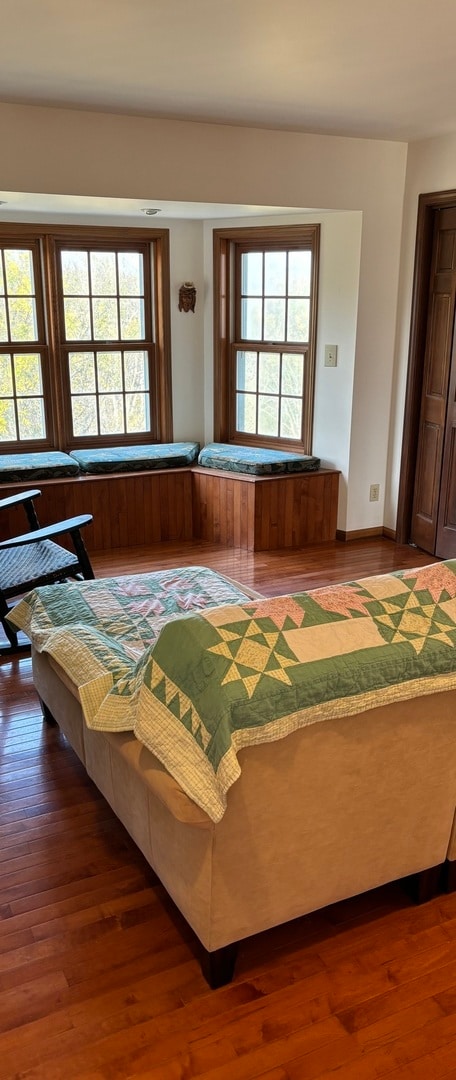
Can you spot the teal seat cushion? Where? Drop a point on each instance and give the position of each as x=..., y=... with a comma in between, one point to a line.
x=255, y=460
x=40, y=466
x=131, y=458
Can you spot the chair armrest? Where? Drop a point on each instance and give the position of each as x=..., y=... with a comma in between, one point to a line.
x=71, y=525
x=22, y=497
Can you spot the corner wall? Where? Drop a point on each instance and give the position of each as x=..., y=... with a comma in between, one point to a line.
x=98, y=154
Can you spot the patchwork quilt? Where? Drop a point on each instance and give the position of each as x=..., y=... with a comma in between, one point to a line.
x=100, y=632
x=223, y=677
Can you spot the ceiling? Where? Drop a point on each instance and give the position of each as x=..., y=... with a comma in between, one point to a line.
x=383, y=69
x=372, y=68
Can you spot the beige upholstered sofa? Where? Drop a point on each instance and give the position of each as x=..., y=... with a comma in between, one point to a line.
x=332, y=810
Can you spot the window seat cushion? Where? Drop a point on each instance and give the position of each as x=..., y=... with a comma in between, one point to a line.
x=255, y=460
x=40, y=466
x=132, y=458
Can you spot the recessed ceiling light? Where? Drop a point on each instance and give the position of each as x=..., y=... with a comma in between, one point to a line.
x=149, y=210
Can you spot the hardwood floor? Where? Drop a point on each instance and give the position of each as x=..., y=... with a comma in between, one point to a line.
x=99, y=976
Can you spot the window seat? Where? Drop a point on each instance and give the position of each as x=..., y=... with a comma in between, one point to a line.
x=53, y=464
x=46, y=464
x=117, y=459
x=170, y=499
x=255, y=460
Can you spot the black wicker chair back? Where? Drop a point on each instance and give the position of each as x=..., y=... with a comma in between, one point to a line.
x=34, y=559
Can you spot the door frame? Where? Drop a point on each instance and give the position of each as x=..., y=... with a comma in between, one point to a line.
x=427, y=206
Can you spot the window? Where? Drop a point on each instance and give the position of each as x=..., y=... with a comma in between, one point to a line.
x=265, y=284
x=22, y=346
x=84, y=337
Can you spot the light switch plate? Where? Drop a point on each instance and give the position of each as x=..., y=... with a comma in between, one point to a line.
x=330, y=355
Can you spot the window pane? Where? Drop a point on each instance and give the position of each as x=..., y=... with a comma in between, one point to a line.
x=27, y=370
x=274, y=320
x=268, y=415
x=299, y=269
x=2, y=283
x=291, y=418
x=7, y=421
x=251, y=319
x=22, y=313
x=246, y=374
x=138, y=415
x=77, y=320
x=298, y=320
x=275, y=273
x=246, y=413
x=84, y=411
x=82, y=373
x=3, y=324
x=136, y=371
x=111, y=414
x=19, y=273
x=31, y=418
x=131, y=282
x=75, y=273
x=103, y=273
x=105, y=319
x=6, y=377
x=109, y=371
x=252, y=273
x=131, y=319
x=292, y=373
x=269, y=380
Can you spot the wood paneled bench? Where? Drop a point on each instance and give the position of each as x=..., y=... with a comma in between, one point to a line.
x=265, y=513
x=145, y=506
x=259, y=513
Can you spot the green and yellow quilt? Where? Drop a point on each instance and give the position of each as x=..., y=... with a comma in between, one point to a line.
x=249, y=671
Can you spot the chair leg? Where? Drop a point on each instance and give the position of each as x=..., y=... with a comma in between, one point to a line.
x=82, y=555
x=10, y=634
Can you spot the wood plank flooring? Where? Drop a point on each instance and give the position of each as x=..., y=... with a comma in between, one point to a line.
x=99, y=976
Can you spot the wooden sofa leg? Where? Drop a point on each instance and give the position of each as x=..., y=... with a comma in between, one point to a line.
x=47, y=715
x=427, y=884
x=218, y=966
x=450, y=875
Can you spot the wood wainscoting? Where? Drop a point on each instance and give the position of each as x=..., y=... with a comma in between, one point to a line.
x=265, y=513
x=257, y=513
x=129, y=509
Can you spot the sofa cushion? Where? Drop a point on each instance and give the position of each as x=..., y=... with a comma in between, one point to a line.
x=132, y=458
x=255, y=460
x=40, y=466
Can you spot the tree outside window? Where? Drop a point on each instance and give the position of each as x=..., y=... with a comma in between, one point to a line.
x=80, y=359
x=265, y=329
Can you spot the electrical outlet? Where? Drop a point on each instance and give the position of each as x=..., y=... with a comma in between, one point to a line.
x=374, y=492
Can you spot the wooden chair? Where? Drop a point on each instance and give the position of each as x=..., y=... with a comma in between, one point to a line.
x=34, y=559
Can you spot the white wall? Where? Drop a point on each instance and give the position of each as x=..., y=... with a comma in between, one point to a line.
x=431, y=167
x=187, y=330
x=85, y=153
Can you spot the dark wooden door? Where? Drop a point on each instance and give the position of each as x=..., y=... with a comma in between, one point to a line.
x=434, y=506
x=445, y=546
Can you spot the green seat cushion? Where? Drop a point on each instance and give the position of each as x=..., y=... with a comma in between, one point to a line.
x=131, y=458
x=40, y=466
x=255, y=460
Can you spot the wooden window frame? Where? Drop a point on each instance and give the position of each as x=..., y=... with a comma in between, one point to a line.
x=39, y=346
x=48, y=240
x=227, y=243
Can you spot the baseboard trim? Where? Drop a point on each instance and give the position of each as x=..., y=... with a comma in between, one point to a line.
x=360, y=534
x=389, y=534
